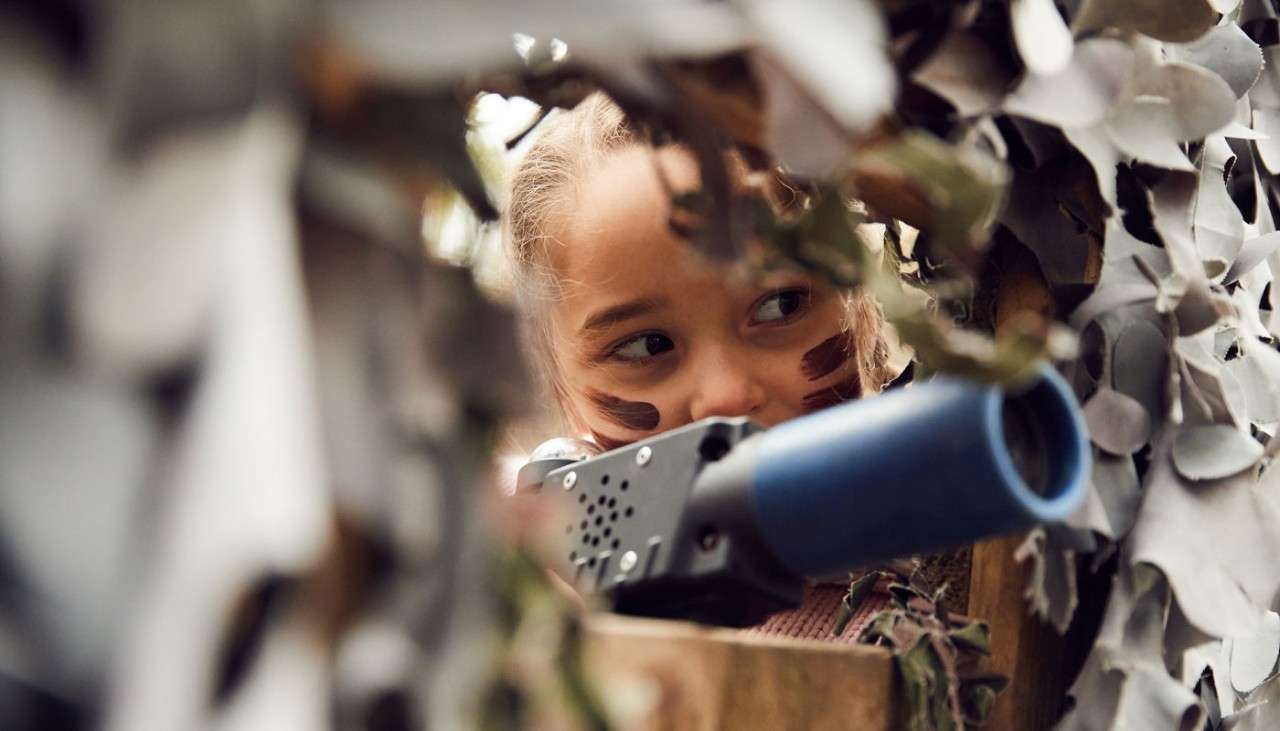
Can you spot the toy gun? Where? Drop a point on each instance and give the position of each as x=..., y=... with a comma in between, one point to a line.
x=719, y=521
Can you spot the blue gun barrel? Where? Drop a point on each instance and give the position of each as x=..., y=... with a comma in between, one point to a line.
x=918, y=469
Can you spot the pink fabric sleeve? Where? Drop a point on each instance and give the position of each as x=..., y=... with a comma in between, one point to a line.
x=817, y=614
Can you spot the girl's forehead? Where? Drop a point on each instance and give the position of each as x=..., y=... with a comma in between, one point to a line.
x=624, y=198
x=615, y=238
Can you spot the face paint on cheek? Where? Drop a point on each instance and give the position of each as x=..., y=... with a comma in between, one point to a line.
x=828, y=355
x=846, y=390
x=637, y=415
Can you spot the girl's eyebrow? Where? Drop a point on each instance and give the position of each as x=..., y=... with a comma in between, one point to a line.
x=611, y=316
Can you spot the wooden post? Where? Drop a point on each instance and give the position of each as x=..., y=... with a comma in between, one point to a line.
x=1022, y=646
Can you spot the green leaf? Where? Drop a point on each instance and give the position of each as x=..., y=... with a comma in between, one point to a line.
x=978, y=701
x=975, y=636
x=919, y=683
x=903, y=594
x=954, y=193
x=881, y=629
x=858, y=592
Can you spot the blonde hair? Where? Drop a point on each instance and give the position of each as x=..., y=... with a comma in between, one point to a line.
x=571, y=144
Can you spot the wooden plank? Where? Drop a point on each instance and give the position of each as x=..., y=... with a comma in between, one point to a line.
x=1022, y=646
x=708, y=678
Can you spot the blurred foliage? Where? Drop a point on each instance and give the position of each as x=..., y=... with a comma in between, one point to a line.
x=543, y=682
x=936, y=655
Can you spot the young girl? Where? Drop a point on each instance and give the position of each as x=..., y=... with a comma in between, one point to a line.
x=636, y=332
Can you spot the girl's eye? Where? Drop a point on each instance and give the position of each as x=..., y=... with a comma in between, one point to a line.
x=780, y=307
x=643, y=346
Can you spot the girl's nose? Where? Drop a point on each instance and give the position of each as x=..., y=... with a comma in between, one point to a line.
x=726, y=387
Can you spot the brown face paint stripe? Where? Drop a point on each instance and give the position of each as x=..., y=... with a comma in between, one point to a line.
x=608, y=444
x=828, y=355
x=629, y=414
x=846, y=390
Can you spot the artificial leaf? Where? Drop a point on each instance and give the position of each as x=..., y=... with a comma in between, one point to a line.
x=1200, y=307
x=975, y=636
x=929, y=654
x=1214, y=451
x=1179, y=21
x=1082, y=93
x=88, y=499
x=1089, y=519
x=1149, y=698
x=1201, y=102
x=1044, y=42
x=1115, y=480
x=143, y=289
x=1095, y=144
x=1266, y=92
x=1211, y=539
x=1145, y=129
x=1040, y=222
x=1259, y=378
x=978, y=700
x=1267, y=122
x=965, y=73
x=1260, y=711
x=1128, y=640
x=1253, y=658
x=953, y=194
x=1117, y=423
x=1121, y=282
x=1218, y=225
x=924, y=687
x=1212, y=388
x=881, y=630
x=1172, y=203
x=1244, y=309
x=858, y=592
x=1142, y=349
x=817, y=47
x=805, y=140
x=1225, y=50
x=1097, y=693
x=1051, y=587
x=1252, y=253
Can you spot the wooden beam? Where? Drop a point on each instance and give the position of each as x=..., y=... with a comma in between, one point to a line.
x=1022, y=646
x=708, y=678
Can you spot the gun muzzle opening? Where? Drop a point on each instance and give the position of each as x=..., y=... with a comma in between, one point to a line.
x=1025, y=441
x=1039, y=427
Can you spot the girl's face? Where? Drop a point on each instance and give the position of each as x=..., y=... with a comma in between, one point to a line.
x=650, y=335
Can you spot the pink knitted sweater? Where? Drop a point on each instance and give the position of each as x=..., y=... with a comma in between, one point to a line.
x=816, y=616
